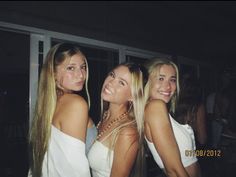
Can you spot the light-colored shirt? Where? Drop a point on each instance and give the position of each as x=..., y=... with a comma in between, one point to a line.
x=100, y=160
x=65, y=157
x=184, y=136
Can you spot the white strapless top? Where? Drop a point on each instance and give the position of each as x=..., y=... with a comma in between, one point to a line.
x=65, y=157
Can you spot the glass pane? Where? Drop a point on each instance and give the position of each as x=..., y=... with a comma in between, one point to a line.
x=137, y=60
x=14, y=103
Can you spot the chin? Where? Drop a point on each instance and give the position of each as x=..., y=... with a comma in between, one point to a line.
x=106, y=98
x=78, y=89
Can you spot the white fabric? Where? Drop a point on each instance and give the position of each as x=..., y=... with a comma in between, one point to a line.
x=185, y=139
x=65, y=157
x=100, y=160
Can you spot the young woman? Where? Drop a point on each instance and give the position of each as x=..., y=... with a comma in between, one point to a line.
x=169, y=141
x=58, y=134
x=114, y=152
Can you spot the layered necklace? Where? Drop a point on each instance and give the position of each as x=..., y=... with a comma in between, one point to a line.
x=105, y=117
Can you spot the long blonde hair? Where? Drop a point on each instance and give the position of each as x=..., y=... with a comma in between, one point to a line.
x=46, y=103
x=136, y=113
x=153, y=67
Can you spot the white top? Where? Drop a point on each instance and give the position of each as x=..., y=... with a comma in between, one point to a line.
x=65, y=157
x=185, y=139
x=100, y=159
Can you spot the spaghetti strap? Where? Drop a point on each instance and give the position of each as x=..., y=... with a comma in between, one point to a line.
x=106, y=136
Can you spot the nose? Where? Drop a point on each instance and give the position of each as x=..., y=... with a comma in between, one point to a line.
x=80, y=73
x=167, y=85
x=111, y=82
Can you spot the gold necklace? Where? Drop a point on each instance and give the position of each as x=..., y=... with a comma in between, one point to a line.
x=122, y=116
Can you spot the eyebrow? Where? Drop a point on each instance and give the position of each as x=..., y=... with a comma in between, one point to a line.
x=76, y=64
x=165, y=75
x=123, y=80
x=120, y=78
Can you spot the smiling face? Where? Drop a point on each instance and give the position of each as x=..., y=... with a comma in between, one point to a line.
x=71, y=74
x=116, y=87
x=163, y=83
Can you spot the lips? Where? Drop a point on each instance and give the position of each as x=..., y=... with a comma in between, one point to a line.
x=165, y=93
x=80, y=83
x=107, y=90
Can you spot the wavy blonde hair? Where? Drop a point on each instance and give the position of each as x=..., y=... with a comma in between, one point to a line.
x=153, y=68
x=136, y=113
x=46, y=103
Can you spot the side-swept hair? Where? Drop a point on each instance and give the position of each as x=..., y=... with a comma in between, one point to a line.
x=153, y=68
x=136, y=114
x=46, y=103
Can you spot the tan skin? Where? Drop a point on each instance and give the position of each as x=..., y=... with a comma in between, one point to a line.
x=71, y=114
x=158, y=128
x=116, y=90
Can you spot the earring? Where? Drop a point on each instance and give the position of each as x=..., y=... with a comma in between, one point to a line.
x=130, y=106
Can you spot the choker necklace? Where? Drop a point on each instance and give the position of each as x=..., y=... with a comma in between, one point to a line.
x=121, y=117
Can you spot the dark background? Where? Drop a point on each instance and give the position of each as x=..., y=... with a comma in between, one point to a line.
x=203, y=31
x=200, y=30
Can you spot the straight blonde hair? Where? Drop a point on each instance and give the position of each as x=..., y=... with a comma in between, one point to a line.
x=153, y=68
x=46, y=103
x=136, y=113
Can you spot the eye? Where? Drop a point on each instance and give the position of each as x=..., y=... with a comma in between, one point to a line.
x=70, y=68
x=122, y=83
x=84, y=67
x=160, y=78
x=173, y=80
x=111, y=74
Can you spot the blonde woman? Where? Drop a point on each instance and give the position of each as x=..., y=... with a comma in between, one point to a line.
x=169, y=141
x=114, y=152
x=58, y=134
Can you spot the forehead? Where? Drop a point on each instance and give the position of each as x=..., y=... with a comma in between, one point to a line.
x=123, y=72
x=76, y=59
x=167, y=70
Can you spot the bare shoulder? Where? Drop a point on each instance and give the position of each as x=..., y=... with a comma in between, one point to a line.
x=155, y=109
x=72, y=106
x=73, y=101
x=127, y=136
x=155, y=104
x=129, y=131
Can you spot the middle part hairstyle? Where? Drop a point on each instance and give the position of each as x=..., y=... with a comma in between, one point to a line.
x=46, y=103
x=153, y=67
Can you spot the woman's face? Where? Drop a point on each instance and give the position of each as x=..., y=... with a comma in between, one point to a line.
x=71, y=74
x=116, y=87
x=163, y=84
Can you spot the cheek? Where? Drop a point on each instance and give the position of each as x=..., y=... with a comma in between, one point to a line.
x=124, y=94
x=173, y=87
x=84, y=74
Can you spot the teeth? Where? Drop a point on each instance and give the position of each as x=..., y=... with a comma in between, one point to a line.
x=165, y=93
x=107, y=91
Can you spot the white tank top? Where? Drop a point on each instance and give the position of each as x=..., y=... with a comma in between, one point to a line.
x=184, y=136
x=100, y=159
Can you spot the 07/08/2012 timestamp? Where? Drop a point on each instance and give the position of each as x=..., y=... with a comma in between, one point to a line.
x=203, y=153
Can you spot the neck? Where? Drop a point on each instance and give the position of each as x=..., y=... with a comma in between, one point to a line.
x=116, y=110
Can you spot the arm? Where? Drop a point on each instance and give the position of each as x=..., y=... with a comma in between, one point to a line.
x=157, y=119
x=201, y=125
x=125, y=152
